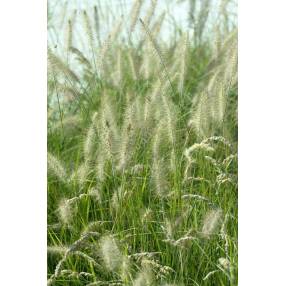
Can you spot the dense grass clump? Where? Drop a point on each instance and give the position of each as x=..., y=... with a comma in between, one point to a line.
x=142, y=148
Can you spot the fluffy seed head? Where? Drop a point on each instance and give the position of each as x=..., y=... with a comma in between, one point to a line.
x=224, y=262
x=56, y=168
x=95, y=193
x=135, y=11
x=89, y=140
x=144, y=278
x=110, y=253
x=211, y=223
x=198, y=147
x=117, y=198
x=66, y=211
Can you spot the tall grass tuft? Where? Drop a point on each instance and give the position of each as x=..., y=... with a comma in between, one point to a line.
x=142, y=144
